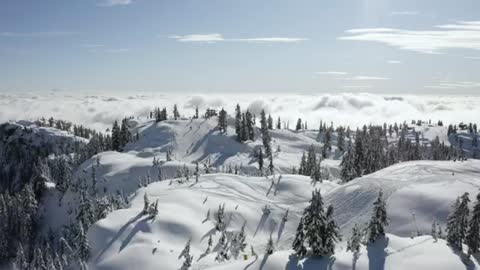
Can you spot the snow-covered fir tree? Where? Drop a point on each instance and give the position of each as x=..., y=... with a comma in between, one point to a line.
x=457, y=222
x=379, y=219
x=473, y=233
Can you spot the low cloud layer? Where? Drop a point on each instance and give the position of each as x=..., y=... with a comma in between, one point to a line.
x=347, y=109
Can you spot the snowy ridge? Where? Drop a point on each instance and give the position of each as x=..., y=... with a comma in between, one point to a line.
x=127, y=240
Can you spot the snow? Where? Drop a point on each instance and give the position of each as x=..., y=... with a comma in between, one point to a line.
x=417, y=193
x=126, y=239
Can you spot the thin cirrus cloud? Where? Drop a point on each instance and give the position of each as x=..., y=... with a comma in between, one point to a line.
x=112, y=3
x=405, y=13
x=393, y=62
x=333, y=73
x=461, y=35
x=215, y=38
x=367, y=78
x=455, y=85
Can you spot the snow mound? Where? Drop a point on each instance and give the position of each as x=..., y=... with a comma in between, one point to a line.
x=417, y=193
x=118, y=240
x=392, y=253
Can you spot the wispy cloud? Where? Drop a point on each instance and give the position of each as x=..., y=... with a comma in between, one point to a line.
x=367, y=78
x=215, y=37
x=405, y=13
x=357, y=86
x=111, y=3
x=333, y=73
x=35, y=34
x=461, y=35
x=455, y=85
x=393, y=62
x=472, y=57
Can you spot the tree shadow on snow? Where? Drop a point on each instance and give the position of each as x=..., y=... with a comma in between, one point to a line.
x=466, y=260
x=310, y=263
x=140, y=226
x=261, y=223
x=119, y=233
x=377, y=254
x=280, y=229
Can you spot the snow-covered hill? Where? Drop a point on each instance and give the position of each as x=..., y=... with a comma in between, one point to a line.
x=126, y=239
x=199, y=139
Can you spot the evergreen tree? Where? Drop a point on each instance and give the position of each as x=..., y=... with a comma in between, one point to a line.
x=279, y=124
x=299, y=124
x=473, y=233
x=176, y=114
x=457, y=222
x=348, y=171
x=238, y=123
x=265, y=133
x=124, y=134
x=330, y=234
x=315, y=222
x=222, y=121
x=220, y=225
x=83, y=247
x=260, y=160
x=250, y=124
x=116, y=139
x=270, y=122
x=379, y=219
x=355, y=240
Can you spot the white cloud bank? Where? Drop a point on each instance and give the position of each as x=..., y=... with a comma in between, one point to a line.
x=215, y=37
x=347, y=109
x=461, y=35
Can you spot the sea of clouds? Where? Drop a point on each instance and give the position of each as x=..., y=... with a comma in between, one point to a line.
x=99, y=111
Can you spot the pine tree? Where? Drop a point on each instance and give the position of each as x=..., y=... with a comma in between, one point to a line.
x=222, y=121
x=238, y=123
x=279, y=124
x=270, y=165
x=355, y=240
x=210, y=243
x=379, y=219
x=315, y=220
x=270, y=122
x=186, y=250
x=220, y=218
x=260, y=161
x=196, y=113
x=250, y=126
x=83, y=247
x=299, y=124
x=473, y=233
x=265, y=133
x=348, y=171
x=330, y=234
x=85, y=213
x=116, y=139
x=176, y=114
x=124, y=134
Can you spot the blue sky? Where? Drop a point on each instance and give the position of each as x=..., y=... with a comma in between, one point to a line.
x=288, y=46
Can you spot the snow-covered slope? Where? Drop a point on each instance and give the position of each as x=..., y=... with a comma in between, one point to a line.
x=417, y=192
x=198, y=140
x=128, y=240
